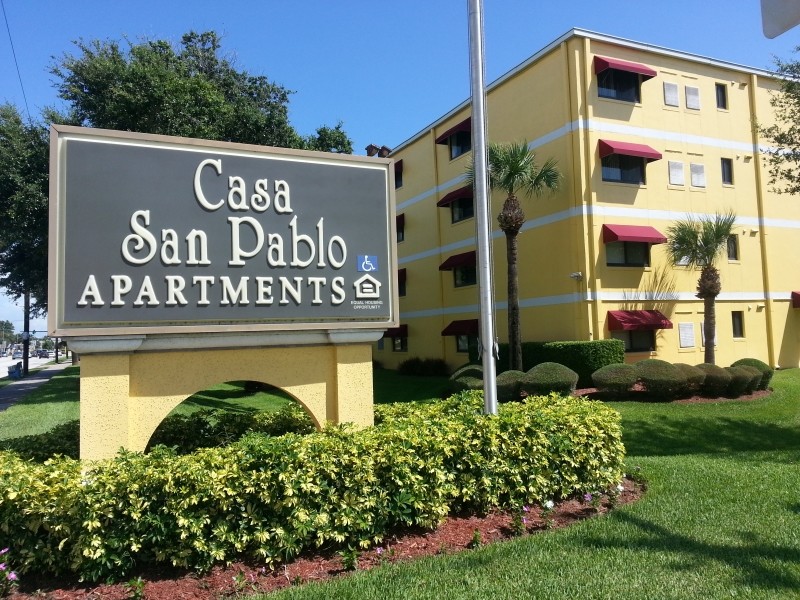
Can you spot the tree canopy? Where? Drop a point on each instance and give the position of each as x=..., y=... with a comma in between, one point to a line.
x=23, y=207
x=784, y=134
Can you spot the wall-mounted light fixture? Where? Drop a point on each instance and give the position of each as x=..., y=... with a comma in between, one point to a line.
x=577, y=276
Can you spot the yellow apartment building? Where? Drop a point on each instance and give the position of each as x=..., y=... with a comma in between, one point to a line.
x=644, y=136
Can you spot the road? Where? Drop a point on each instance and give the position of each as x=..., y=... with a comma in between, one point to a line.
x=7, y=361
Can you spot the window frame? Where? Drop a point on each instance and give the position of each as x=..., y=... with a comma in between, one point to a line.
x=727, y=174
x=627, y=248
x=616, y=84
x=721, y=98
x=458, y=212
x=625, y=164
x=670, y=171
x=628, y=337
x=459, y=144
x=737, y=324
x=464, y=341
x=399, y=344
x=465, y=276
x=672, y=92
x=733, y=248
x=692, y=98
x=697, y=175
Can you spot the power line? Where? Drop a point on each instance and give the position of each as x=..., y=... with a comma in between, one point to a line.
x=16, y=64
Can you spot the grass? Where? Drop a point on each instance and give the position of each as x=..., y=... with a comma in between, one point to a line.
x=721, y=519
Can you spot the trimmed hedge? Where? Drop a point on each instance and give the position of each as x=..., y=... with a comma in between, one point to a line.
x=424, y=367
x=583, y=357
x=269, y=498
x=509, y=386
x=467, y=377
x=716, y=382
x=766, y=371
x=615, y=379
x=693, y=378
x=740, y=379
x=549, y=377
x=662, y=380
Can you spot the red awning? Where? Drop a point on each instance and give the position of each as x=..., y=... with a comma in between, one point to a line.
x=400, y=220
x=608, y=147
x=448, y=199
x=467, y=259
x=633, y=233
x=633, y=320
x=795, y=299
x=602, y=63
x=462, y=327
x=401, y=275
x=465, y=125
x=396, y=332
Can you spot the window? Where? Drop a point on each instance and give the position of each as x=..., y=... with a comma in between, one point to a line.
x=733, y=247
x=727, y=171
x=737, y=323
x=671, y=94
x=401, y=282
x=462, y=209
x=400, y=227
x=721, y=91
x=676, y=173
x=636, y=340
x=464, y=276
x=380, y=344
x=692, y=98
x=698, y=173
x=622, y=168
x=463, y=342
x=619, y=85
x=627, y=254
x=398, y=174
x=400, y=344
x=459, y=143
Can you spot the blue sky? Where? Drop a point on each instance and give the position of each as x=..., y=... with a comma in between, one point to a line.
x=385, y=69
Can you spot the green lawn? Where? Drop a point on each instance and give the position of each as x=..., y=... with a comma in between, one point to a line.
x=721, y=519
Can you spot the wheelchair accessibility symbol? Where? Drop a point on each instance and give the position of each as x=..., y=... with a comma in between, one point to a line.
x=367, y=263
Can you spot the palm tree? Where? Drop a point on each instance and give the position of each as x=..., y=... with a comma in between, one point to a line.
x=698, y=243
x=513, y=168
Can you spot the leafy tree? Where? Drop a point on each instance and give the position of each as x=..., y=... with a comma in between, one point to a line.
x=697, y=243
x=23, y=207
x=189, y=90
x=784, y=134
x=6, y=333
x=513, y=168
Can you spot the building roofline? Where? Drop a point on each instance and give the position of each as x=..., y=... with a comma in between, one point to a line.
x=600, y=37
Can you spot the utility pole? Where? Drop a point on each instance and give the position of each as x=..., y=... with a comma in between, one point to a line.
x=26, y=336
x=482, y=207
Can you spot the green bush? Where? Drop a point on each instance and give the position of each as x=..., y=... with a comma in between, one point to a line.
x=549, y=377
x=269, y=498
x=615, y=379
x=716, y=382
x=583, y=357
x=740, y=379
x=509, y=386
x=766, y=371
x=753, y=380
x=694, y=378
x=661, y=380
x=424, y=367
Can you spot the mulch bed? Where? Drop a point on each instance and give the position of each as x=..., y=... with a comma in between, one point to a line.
x=455, y=534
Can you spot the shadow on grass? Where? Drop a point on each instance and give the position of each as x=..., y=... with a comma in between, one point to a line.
x=62, y=387
x=756, y=562
x=389, y=386
x=670, y=436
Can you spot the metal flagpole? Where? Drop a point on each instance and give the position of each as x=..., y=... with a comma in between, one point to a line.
x=479, y=155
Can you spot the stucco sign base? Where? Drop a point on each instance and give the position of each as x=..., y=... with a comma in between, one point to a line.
x=125, y=395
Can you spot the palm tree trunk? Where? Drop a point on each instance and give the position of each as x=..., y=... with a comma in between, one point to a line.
x=710, y=327
x=514, y=331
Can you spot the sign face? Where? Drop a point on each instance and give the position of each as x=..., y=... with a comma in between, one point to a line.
x=153, y=234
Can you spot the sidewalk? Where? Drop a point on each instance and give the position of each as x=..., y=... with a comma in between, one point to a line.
x=16, y=390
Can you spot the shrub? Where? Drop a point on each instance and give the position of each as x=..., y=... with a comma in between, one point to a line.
x=716, y=382
x=740, y=379
x=423, y=367
x=662, y=380
x=549, y=377
x=615, y=379
x=509, y=386
x=754, y=379
x=766, y=371
x=694, y=378
x=269, y=498
x=468, y=370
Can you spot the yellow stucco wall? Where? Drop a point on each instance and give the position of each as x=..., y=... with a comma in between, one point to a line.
x=124, y=396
